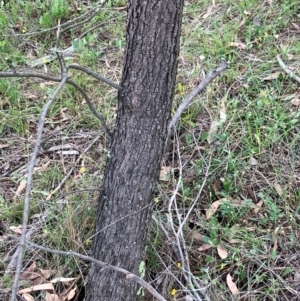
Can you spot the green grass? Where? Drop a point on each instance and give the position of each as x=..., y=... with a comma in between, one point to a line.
x=253, y=162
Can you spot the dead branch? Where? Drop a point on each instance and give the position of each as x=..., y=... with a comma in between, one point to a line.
x=22, y=244
x=70, y=24
x=95, y=75
x=91, y=107
x=58, y=79
x=128, y=275
x=211, y=76
x=287, y=70
x=30, y=74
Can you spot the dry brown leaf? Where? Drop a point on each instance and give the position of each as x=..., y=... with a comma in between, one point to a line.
x=70, y=152
x=222, y=252
x=28, y=297
x=257, y=206
x=214, y=206
x=164, y=173
x=15, y=229
x=278, y=188
x=275, y=246
x=20, y=189
x=296, y=26
x=59, y=147
x=40, y=287
x=297, y=277
x=4, y=102
x=71, y=294
x=231, y=285
x=213, y=131
x=62, y=279
x=46, y=273
x=295, y=102
x=235, y=241
x=196, y=235
x=29, y=273
x=205, y=247
x=51, y=297
x=44, y=166
x=252, y=161
x=272, y=76
x=208, y=12
x=238, y=45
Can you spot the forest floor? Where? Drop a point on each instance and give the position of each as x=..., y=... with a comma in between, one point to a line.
x=230, y=180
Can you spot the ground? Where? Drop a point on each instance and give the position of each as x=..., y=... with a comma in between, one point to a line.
x=229, y=188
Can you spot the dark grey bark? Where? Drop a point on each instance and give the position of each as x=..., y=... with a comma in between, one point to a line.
x=144, y=110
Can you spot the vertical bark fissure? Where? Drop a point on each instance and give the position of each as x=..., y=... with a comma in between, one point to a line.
x=144, y=110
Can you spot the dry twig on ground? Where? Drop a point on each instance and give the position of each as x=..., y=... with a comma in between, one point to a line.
x=128, y=275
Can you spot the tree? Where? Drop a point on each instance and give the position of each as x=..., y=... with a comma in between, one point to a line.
x=137, y=146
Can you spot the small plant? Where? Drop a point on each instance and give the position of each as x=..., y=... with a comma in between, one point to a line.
x=274, y=212
x=59, y=10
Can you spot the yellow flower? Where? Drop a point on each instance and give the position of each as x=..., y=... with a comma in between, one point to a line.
x=82, y=169
x=173, y=292
x=179, y=264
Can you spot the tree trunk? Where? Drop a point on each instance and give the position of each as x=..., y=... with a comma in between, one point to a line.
x=144, y=111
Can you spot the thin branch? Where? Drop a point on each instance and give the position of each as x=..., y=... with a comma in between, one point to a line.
x=95, y=75
x=179, y=237
x=29, y=184
x=93, y=10
x=92, y=108
x=212, y=75
x=30, y=74
x=128, y=275
x=94, y=27
x=58, y=79
x=287, y=70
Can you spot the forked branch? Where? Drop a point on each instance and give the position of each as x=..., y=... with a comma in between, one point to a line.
x=198, y=90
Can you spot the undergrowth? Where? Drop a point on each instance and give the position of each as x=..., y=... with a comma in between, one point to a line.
x=250, y=170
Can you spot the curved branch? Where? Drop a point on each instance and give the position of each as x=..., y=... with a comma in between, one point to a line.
x=93, y=10
x=128, y=275
x=212, y=75
x=58, y=79
x=287, y=70
x=95, y=75
x=91, y=107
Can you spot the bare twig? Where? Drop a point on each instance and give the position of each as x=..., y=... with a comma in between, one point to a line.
x=94, y=11
x=94, y=27
x=212, y=75
x=30, y=74
x=91, y=107
x=95, y=75
x=128, y=275
x=287, y=70
x=29, y=184
x=179, y=237
x=58, y=79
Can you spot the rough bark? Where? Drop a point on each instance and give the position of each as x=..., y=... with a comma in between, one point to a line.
x=144, y=110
